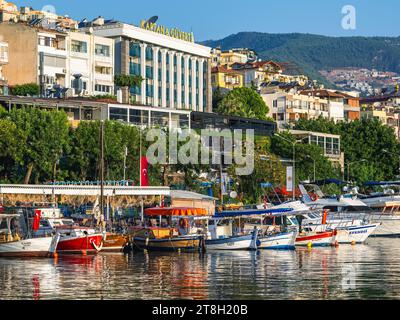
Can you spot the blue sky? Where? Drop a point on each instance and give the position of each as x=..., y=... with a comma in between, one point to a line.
x=215, y=19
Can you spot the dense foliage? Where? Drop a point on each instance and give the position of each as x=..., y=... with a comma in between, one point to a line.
x=123, y=80
x=369, y=146
x=243, y=102
x=29, y=89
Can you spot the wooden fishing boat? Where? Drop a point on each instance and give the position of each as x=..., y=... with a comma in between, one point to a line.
x=165, y=239
x=11, y=244
x=114, y=242
x=178, y=232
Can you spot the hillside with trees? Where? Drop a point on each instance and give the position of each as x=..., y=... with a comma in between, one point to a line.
x=312, y=53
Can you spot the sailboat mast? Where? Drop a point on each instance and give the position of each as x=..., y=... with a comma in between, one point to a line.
x=101, y=168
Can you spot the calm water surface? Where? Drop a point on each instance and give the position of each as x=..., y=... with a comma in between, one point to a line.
x=349, y=272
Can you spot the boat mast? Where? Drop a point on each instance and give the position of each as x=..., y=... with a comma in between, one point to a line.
x=101, y=169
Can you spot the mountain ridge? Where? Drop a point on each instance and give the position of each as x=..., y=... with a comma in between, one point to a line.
x=313, y=52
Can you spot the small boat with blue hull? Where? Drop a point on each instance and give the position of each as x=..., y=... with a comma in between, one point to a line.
x=279, y=241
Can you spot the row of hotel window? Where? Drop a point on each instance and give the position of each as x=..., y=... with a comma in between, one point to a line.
x=135, y=70
x=76, y=46
x=135, y=52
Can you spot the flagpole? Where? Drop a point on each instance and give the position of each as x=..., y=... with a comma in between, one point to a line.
x=140, y=156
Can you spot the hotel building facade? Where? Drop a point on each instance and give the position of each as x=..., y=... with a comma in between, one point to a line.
x=176, y=72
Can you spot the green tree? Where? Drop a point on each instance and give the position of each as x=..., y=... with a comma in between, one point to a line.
x=29, y=89
x=43, y=140
x=127, y=82
x=305, y=156
x=244, y=102
x=363, y=139
x=11, y=139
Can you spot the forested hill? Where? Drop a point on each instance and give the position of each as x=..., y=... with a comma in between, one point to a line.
x=314, y=52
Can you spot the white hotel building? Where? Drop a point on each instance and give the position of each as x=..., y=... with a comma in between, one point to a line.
x=176, y=73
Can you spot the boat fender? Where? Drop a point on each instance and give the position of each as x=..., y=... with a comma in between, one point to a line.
x=147, y=241
x=258, y=242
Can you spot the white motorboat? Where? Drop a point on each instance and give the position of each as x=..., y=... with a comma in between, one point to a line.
x=12, y=244
x=222, y=235
x=279, y=241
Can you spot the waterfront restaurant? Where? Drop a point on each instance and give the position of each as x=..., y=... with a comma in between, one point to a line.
x=175, y=69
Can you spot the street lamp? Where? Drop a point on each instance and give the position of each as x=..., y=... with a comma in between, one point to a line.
x=348, y=167
x=293, y=143
x=388, y=152
x=308, y=156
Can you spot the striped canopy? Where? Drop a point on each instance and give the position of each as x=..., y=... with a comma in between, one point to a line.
x=180, y=212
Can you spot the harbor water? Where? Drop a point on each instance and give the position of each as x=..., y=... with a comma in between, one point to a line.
x=370, y=271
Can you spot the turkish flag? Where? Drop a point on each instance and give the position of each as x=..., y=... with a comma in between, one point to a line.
x=144, y=175
x=36, y=220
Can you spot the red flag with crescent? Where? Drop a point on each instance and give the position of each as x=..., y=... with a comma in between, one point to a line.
x=36, y=220
x=144, y=175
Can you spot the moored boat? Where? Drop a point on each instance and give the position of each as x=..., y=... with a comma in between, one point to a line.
x=243, y=242
x=355, y=234
x=176, y=229
x=113, y=242
x=317, y=239
x=11, y=244
x=78, y=240
x=165, y=239
x=279, y=241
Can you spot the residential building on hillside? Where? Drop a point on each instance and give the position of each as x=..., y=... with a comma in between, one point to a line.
x=259, y=72
x=334, y=102
x=287, y=107
x=385, y=108
x=8, y=11
x=221, y=77
x=53, y=58
x=176, y=70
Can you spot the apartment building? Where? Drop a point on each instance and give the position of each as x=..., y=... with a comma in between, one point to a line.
x=3, y=62
x=222, y=77
x=288, y=107
x=56, y=58
x=385, y=108
x=8, y=11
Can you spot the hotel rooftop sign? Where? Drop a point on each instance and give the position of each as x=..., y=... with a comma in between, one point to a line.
x=171, y=32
